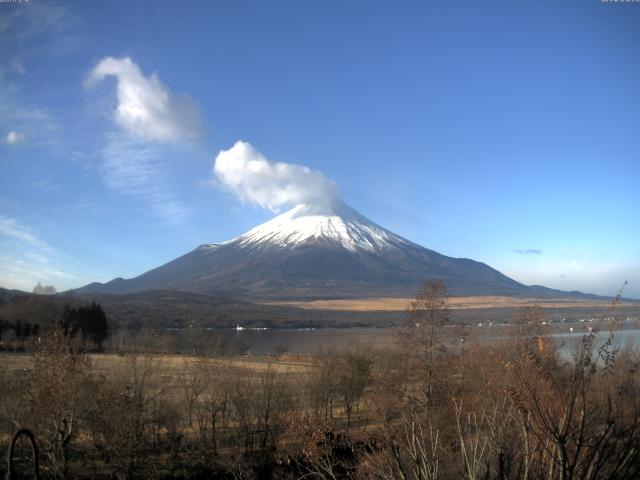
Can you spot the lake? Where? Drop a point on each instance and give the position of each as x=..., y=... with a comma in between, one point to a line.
x=310, y=341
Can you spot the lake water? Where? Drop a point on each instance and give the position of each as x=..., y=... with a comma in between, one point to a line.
x=310, y=341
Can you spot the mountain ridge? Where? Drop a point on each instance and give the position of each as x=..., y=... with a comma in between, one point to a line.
x=313, y=252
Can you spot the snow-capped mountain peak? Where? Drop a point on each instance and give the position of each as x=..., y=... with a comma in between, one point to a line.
x=312, y=251
x=337, y=224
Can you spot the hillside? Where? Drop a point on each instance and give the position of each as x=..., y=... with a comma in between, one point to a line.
x=319, y=253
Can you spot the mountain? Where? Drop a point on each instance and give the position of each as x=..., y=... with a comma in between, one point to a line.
x=317, y=252
x=7, y=295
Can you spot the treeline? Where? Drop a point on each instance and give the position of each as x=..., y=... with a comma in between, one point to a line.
x=427, y=409
x=21, y=330
x=89, y=322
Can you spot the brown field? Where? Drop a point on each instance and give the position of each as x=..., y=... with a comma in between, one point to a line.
x=455, y=303
x=169, y=365
x=174, y=416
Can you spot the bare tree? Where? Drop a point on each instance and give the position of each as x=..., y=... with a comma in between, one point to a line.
x=58, y=397
x=208, y=399
x=582, y=419
x=410, y=451
x=354, y=376
x=191, y=386
x=421, y=333
x=123, y=418
x=321, y=385
x=41, y=289
x=272, y=401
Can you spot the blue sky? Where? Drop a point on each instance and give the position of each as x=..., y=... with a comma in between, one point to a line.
x=506, y=132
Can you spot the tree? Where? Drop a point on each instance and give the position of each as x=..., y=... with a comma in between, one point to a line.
x=421, y=332
x=88, y=321
x=4, y=326
x=120, y=427
x=59, y=398
x=321, y=385
x=581, y=418
x=353, y=378
x=96, y=325
x=40, y=289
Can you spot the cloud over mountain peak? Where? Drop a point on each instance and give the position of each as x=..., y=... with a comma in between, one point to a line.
x=253, y=178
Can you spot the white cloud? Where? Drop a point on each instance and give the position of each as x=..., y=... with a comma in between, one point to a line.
x=146, y=108
x=11, y=228
x=32, y=34
x=13, y=138
x=25, y=123
x=26, y=258
x=23, y=275
x=253, y=178
x=148, y=116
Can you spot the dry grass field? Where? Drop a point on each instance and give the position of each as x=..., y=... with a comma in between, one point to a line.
x=332, y=415
x=455, y=303
x=171, y=365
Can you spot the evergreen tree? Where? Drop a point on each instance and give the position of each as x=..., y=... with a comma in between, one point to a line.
x=90, y=321
x=96, y=327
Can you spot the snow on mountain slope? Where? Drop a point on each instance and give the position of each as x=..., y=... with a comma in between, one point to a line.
x=304, y=224
x=316, y=252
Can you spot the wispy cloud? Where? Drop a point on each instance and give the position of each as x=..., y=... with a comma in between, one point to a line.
x=29, y=23
x=530, y=251
x=138, y=169
x=37, y=18
x=24, y=274
x=25, y=271
x=32, y=33
x=594, y=275
x=26, y=258
x=46, y=185
x=9, y=227
x=253, y=178
x=146, y=108
x=35, y=126
x=147, y=118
